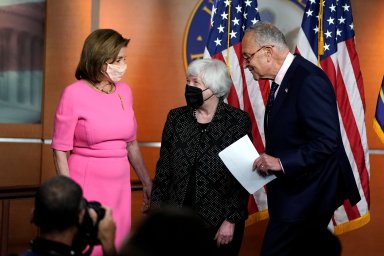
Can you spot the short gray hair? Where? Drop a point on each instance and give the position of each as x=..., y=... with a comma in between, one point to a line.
x=267, y=34
x=213, y=73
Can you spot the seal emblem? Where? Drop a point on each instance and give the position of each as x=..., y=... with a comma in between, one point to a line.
x=285, y=14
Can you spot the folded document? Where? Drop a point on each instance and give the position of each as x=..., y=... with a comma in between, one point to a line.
x=239, y=158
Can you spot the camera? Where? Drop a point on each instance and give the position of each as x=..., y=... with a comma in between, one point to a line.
x=86, y=237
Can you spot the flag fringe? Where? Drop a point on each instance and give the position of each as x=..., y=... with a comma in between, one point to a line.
x=256, y=217
x=352, y=224
x=378, y=130
x=339, y=229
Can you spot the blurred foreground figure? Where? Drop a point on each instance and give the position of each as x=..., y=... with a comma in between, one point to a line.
x=171, y=232
x=67, y=224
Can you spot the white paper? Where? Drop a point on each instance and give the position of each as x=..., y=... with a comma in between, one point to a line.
x=239, y=158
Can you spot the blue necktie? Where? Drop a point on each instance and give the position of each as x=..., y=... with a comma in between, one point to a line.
x=271, y=98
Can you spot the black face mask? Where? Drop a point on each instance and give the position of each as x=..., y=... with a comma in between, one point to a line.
x=194, y=96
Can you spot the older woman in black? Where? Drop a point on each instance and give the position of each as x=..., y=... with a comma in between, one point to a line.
x=189, y=173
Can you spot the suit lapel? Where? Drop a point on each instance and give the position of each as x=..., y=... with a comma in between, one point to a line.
x=282, y=93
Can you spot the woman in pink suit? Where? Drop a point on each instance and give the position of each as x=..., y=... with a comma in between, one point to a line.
x=94, y=139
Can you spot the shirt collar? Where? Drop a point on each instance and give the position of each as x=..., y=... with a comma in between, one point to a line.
x=284, y=68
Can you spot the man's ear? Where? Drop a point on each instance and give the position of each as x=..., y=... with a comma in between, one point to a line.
x=268, y=53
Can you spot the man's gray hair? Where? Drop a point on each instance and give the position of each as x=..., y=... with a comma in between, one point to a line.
x=267, y=34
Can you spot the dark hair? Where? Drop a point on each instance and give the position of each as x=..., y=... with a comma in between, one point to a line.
x=57, y=204
x=100, y=46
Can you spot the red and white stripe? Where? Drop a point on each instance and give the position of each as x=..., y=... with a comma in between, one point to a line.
x=343, y=70
x=250, y=96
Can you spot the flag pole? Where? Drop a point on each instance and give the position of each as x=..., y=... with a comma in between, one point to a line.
x=320, y=38
x=228, y=42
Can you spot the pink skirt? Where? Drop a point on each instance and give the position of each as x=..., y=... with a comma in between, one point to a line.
x=106, y=180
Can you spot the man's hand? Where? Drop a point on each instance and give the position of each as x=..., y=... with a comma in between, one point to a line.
x=265, y=163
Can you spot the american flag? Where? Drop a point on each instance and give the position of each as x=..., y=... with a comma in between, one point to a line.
x=332, y=19
x=378, y=122
x=229, y=20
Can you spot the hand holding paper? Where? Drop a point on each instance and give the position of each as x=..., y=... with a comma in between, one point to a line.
x=239, y=158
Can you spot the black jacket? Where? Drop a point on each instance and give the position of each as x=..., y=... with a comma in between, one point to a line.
x=44, y=247
x=186, y=148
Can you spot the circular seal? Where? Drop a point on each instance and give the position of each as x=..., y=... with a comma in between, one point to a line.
x=196, y=32
x=285, y=14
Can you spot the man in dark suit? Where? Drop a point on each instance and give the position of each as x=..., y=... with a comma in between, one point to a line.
x=303, y=148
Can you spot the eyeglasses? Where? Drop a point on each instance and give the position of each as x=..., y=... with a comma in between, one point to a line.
x=249, y=58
